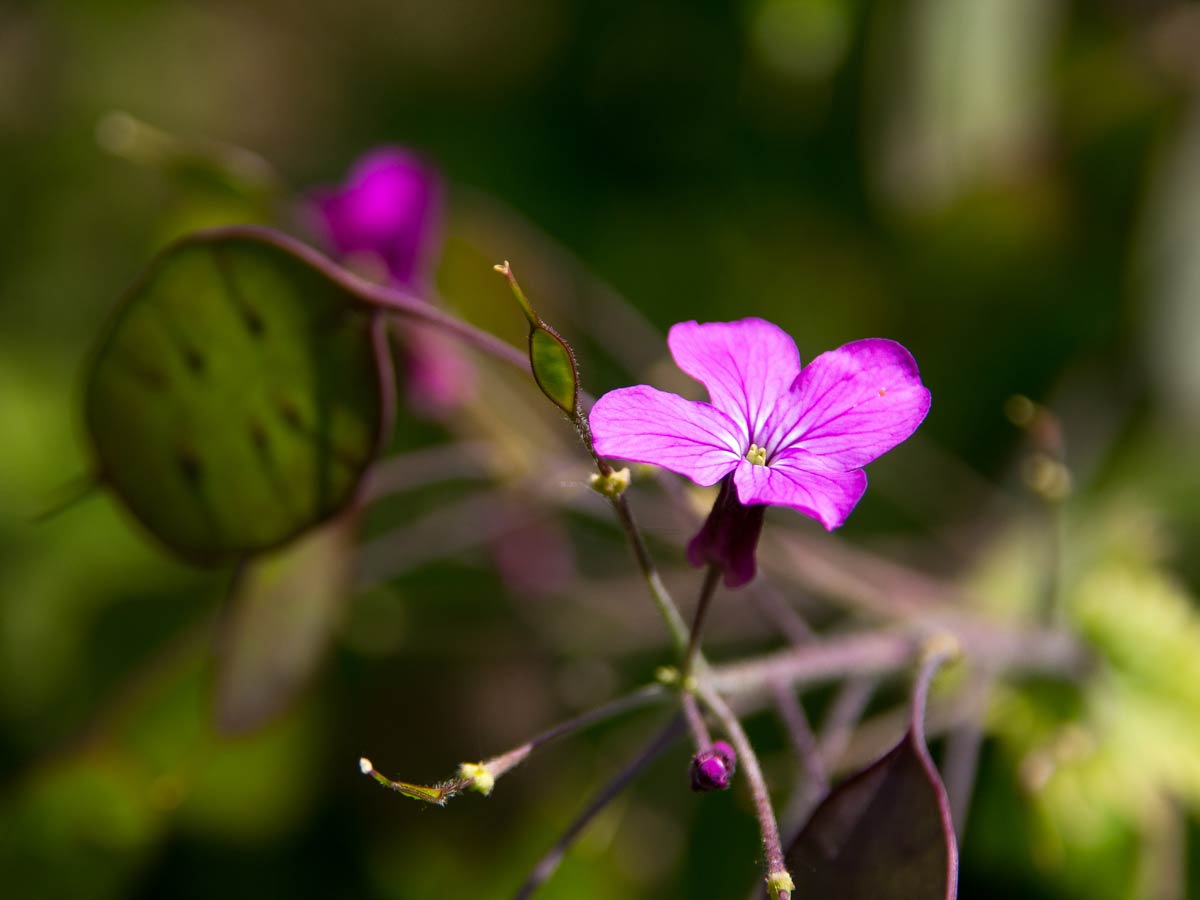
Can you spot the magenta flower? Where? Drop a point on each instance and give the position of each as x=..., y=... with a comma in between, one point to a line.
x=386, y=218
x=389, y=208
x=773, y=433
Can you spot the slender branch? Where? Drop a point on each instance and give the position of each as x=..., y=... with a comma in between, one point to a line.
x=709, y=587
x=776, y=870
x=844, y=714
x=865, y=653
x=547, y=865
x=482, y=776
x=882, y=652
x=813, y=780
x=695, y=721
x=643, y=696
x=771, y=603
x=420, y=468
x=658, y=591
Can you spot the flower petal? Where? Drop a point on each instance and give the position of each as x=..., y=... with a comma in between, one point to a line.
x=857, y=402
x=748, y=366
x=642, y=424
x=804, y=482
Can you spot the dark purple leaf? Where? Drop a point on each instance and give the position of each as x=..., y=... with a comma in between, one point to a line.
x=885, y=833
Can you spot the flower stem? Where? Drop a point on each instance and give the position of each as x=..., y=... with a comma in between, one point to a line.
x=658, y=591
x=547, y=865
x=695, y=720
x=768, y=827
x=707, y=590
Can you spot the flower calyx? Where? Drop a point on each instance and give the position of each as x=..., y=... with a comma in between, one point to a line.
x=478, y=777
x=612, y=485
x=780, y=884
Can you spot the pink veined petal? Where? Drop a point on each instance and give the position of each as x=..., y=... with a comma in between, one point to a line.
x=855, y=403
x=642, y=424
x=748, y=367
x=805, y=483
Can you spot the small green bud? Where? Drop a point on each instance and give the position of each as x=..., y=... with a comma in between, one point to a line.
x=612, y=485
x=667, y=675
x=480, y=778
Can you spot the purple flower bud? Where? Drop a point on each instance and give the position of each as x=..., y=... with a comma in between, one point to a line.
x=712, y=769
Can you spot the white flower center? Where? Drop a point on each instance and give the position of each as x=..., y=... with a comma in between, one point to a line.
x=757, y=455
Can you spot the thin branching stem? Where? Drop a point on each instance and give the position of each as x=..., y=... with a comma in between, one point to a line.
x=498, y=765
x=813, y=780
x=695, y=721
x=547, y=865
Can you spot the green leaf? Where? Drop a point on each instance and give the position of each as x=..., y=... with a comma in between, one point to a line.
x=283, y=609
x=239, y=394
x=553, y=366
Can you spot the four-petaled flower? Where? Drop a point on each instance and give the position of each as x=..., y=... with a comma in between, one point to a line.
x=773, y=434
x=386, y=218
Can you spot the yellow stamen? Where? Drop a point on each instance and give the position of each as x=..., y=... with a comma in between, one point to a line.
x=757, y=455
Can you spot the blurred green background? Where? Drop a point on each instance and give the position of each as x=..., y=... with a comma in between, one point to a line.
x=1011, y=188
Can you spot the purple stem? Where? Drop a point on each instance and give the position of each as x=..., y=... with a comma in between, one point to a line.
x=695, y=721
x=813, y=781
x=748, y=760
x=844, y=714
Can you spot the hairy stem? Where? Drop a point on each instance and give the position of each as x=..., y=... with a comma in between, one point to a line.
x=748, y=761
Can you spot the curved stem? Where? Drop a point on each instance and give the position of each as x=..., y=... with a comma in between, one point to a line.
x=748, y=760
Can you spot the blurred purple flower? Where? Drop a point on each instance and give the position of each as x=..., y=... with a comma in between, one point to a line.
x=389, y=207
x=713, y=769
x=777, y=434
x=386, y=220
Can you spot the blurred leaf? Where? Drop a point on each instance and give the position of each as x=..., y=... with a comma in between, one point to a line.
x=79, y=829
x=238, y=396
x=886, y=832
x=283, y=608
